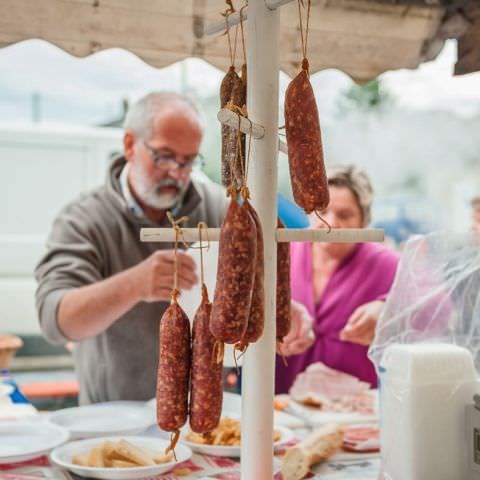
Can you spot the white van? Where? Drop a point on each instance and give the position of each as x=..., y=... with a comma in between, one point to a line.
x=42, y=168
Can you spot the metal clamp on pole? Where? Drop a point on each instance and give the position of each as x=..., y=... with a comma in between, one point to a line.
x=221, y=25
x=234, y=19
x=227, y=117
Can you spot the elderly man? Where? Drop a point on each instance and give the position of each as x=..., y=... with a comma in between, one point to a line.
x=98, y=285
x=102, y=288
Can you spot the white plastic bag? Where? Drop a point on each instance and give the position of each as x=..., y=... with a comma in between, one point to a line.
x=435, y=296
x=426, y=345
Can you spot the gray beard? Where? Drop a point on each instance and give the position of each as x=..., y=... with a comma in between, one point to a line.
x=150, y=194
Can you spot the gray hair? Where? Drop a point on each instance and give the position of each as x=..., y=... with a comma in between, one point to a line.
x=357, y=181
x=140, y=115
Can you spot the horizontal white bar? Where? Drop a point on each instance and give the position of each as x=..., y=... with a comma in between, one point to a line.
x=221, y=25
x=234, y=19
x=188, y=234
x=336, y=235
x=274, y=4
x=227, y=117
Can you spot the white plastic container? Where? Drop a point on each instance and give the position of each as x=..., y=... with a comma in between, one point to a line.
x=424, y=389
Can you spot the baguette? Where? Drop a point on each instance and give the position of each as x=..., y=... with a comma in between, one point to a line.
x=316, y=448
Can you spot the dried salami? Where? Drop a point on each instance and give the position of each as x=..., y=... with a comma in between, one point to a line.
x=305, y=151
x=235, y=274
x=284, y=320
x=206, y=391
x=256, y=319
x=173, y=369
x=228, y=140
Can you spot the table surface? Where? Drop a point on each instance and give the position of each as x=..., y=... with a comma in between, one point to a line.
x=202, y=467
x=206, y=467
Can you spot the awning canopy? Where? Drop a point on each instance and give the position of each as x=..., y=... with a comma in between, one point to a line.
x=361, y=37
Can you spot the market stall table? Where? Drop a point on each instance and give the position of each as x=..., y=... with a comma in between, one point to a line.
x=205, y=467
x=343, y=466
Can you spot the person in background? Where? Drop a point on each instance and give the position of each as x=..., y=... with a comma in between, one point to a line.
x=475, y=204
x=342, y=286
x=98, y=284
x=103, y=289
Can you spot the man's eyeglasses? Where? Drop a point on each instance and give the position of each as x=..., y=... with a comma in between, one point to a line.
x=168, y=159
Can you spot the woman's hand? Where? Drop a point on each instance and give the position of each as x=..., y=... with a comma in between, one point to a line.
x=301, y=335
x=360, y=327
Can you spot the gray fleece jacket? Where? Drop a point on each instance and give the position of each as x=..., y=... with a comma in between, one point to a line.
x=92, y=238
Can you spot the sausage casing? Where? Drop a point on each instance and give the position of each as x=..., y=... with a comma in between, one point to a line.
x=226, y=86
x=229, y=138
x=235, y=275
x=305, y=151
x=239, y=99
x=231, y=157
x=256, y=319
x=206, y=388
x=284, y=317
x=173, y=369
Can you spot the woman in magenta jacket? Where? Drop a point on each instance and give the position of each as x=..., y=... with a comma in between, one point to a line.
x=343, y=286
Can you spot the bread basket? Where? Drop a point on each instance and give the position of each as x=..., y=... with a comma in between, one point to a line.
x=9, y=344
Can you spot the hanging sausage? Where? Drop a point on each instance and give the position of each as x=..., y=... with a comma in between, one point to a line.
x=302, y=125
x=206, y=386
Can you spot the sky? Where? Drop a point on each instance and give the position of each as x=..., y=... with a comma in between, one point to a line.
x=433, y=85
x=90, y=90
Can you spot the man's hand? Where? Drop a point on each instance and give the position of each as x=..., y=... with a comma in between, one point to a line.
x=89, y=310
x=301, y=335
x=360, y=327
x=155, y=274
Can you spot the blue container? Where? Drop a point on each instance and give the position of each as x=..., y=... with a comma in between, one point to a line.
x=291, y=214
x=16, y=396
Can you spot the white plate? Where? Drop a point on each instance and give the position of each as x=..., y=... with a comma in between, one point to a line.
x=110, y=418
x=5, y=389
x=234, y=451
x=62, y=456
x=20, y=441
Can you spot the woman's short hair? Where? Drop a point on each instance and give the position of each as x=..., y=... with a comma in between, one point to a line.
x=357, y=181
x=475, y=202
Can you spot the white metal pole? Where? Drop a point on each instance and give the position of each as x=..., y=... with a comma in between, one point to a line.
x=259, y=362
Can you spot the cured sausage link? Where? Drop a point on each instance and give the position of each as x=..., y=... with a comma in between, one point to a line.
x=207, y=375
x=235, y=274
x=238, y=99
x=256, y=319
x=226, y=88
x=284, y=320
x=229, y=140
x=173, y=369
x=305, y=151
